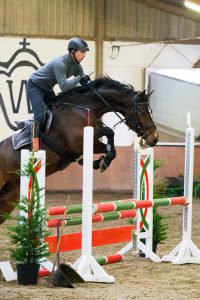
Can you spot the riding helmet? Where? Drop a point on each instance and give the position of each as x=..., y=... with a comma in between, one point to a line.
x=76, y=44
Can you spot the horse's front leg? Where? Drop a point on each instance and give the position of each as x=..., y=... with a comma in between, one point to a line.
x=109, y=149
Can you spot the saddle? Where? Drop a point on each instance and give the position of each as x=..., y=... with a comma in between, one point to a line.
x=23, y=136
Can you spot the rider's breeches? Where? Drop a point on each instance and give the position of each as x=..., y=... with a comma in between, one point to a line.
x=36, y=96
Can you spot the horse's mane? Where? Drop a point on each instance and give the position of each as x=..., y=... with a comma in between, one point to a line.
x=99, y=84
x=105, y=82
x=110, y=83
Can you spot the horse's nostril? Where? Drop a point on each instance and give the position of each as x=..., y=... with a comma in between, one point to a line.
x=155, y=141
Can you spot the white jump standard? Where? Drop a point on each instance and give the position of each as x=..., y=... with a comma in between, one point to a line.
x=86, y=265
x=186, y=251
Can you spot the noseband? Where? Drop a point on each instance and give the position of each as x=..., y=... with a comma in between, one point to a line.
x=142, y=131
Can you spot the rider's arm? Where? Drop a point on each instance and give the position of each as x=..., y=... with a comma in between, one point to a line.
x=65, y=83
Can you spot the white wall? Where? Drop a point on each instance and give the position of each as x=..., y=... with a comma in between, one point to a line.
x=130, y=63
x=176, y=92
x=46, y=50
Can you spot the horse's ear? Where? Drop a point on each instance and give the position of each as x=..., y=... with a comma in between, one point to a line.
x=148, y=95
x=142, y=96
x=108, y=77
x=143, y=93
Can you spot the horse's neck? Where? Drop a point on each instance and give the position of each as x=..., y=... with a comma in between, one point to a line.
x=109, y=101
x=100, y=102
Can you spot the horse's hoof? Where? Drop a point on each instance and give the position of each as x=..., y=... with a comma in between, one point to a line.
x=103, y=165
x=96, y=164
x=80, y=161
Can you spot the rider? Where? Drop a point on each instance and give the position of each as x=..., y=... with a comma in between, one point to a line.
x=65, y=70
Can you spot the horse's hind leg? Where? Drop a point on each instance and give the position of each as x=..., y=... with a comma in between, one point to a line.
x=9, y=195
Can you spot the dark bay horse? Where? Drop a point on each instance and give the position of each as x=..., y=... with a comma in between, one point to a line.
x=64, y=141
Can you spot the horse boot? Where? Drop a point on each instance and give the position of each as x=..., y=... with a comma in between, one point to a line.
x=36, y=137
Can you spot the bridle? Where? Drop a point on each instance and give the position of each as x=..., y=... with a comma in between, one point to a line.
x=141, y=131
x=107, y=104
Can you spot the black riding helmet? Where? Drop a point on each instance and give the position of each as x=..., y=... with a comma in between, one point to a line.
x=76, y=44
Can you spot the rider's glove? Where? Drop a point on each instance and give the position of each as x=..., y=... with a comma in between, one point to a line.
x=85, y=79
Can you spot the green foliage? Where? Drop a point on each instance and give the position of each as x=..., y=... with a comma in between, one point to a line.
x=159, y=186
x=159, y=189
x=29, y=233
x=159, y=228
x=157, y=164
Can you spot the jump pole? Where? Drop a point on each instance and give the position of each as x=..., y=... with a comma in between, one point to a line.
x=186, y=251
x=86, y=265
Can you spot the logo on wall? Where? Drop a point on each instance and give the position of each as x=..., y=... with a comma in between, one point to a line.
x=14, y=74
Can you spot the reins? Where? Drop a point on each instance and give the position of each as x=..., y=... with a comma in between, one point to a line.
x=107, y=104
x=141, y=131
x=83, y=107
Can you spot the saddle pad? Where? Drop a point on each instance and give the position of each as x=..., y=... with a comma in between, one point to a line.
x=20, y=138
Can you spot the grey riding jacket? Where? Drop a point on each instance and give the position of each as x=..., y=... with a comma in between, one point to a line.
x=63, y=70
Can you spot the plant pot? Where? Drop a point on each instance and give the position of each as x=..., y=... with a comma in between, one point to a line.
x=27, y=274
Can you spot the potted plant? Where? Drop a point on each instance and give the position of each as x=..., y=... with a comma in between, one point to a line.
x=28, y=235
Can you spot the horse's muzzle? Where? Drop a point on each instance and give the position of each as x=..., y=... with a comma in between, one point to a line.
x=152, y=139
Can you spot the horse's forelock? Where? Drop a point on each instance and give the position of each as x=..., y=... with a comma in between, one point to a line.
x=142, y=97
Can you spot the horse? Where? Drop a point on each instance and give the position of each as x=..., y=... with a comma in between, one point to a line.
x=64, y=141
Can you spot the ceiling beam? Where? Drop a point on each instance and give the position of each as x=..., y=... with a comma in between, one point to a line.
x=179, y=11
x=100, y=21
x=196, y=1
